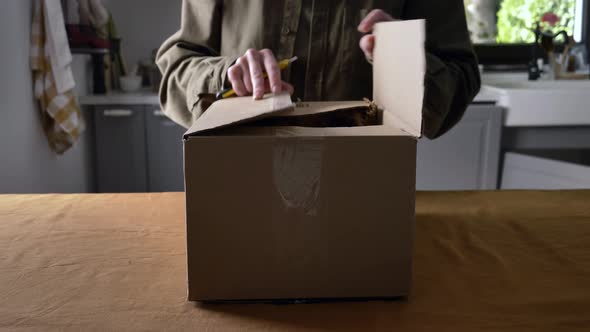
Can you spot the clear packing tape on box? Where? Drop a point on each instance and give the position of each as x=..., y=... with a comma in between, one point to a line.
x=297, y=173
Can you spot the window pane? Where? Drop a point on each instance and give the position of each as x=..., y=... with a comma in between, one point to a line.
x=512, y=21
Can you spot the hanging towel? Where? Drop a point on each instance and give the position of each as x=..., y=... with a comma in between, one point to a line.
x=52, y=76
x=56, y=42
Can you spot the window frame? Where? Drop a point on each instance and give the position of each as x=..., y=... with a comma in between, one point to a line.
x=521, y=54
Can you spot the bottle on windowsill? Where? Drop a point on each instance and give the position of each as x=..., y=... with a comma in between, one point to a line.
x=534, y=71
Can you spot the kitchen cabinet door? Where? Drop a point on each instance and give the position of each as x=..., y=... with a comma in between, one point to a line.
x=523, y=171
x=120, y=149
x=467, y=157
x=164, y=152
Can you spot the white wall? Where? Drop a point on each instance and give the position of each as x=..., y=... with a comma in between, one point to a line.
x=144, y=24
x=27, y=165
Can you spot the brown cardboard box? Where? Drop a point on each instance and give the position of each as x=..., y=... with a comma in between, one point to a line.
x=287, y=212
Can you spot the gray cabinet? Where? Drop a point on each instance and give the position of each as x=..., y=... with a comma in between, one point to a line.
x=120, y=149
x=467, y=157
x=164, y=152
x=523, y=171
x=546, y=158
x=137, y=149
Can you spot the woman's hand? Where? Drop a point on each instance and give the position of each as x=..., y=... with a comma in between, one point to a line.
x=367, y=43
x=247, y=74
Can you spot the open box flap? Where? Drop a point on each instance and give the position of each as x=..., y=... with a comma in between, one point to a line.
x=231, y=111
x=399, y=67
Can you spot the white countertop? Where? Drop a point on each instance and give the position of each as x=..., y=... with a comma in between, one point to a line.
x=486, y=95
x=144, y=97
x=527, y=104
x=149, y=97
x=540, y=103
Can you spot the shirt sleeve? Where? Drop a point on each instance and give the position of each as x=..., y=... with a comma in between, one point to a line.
x=452, y=75
x=190, y=63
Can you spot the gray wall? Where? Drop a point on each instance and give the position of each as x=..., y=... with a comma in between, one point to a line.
x=144, y=25
x=27, y=165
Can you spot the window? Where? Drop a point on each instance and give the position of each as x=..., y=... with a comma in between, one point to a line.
x=513, y=21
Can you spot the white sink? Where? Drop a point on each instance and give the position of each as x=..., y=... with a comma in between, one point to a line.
x=520, y=81
x=541, y=103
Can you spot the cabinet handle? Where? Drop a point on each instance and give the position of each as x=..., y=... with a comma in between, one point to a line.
x=159, y=113
x=118, y=113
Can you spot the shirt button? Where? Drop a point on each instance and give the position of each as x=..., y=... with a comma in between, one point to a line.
x=286, y=30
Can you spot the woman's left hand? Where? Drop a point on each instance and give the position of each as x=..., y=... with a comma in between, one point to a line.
x=367, y=43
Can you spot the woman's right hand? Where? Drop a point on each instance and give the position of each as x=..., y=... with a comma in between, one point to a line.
x=247, y=74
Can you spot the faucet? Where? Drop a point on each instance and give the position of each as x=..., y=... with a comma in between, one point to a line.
x=559, y=68
x=533, y=67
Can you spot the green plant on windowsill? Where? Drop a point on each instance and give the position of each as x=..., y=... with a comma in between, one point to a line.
x=517, y=17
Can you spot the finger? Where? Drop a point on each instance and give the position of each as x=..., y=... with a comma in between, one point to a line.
x=287, y=87
x=284, y=87
x=272, y=70
x=367, y=45
x=234, y=73
x=266, y=86
x=256, y=73
x=246, y=80
x=375, y=16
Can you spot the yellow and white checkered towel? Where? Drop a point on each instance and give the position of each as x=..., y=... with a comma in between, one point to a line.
x=60, y=114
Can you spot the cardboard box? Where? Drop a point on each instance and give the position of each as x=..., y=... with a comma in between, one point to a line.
x=308, y=212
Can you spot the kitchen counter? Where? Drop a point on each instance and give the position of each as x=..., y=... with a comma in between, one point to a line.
x=527, y=104
x=509, y=114
x=487, y=95
x=143, y=97
x=543, y=103
x=148, y=97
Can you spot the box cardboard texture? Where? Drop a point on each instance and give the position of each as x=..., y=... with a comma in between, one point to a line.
x=282, y=213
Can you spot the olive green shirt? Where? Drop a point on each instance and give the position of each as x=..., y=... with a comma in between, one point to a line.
x=323, y=34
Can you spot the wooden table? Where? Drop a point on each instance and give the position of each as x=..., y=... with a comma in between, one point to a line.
x=510, y=261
